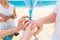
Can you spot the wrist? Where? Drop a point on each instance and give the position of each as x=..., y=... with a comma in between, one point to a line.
x=41, y=21
x=16, y=29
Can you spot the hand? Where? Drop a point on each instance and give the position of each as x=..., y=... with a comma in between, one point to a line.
x=30, y=27
x=4, y=19
x=21, y=22
x=37, y=24
x=28, y=32
x=11, y=16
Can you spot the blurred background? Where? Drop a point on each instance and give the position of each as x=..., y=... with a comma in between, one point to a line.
x=42, y=8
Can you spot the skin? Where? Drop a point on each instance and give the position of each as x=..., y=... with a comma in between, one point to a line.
x=4, y=33
x=20, y=25
x=28, y=32
x=6, y=6
x=39, y=23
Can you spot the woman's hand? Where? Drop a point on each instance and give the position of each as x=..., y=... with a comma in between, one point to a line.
x=28, y=32
x=11, y=16
x=3, y=19
x=21, y=22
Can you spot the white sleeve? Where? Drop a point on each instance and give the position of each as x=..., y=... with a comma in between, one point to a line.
x=56, y=9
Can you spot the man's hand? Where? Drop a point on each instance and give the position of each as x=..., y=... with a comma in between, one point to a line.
x=38, y=24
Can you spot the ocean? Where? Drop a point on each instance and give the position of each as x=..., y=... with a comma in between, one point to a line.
x=39, y=3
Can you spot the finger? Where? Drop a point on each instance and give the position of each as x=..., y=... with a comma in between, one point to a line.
x=33, y=23
x=26, y=21
x=25, y=17
x=33, y=27
x=30, y=25
x=38, y=30
x=25, y=25
x=21, y=20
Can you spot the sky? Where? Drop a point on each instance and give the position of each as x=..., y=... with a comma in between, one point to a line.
x=38, y=0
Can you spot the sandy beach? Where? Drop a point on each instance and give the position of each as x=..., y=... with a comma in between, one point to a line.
x=39, y=12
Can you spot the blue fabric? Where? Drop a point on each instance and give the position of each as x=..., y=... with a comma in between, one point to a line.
x=31, y=3
x=8, y=37
x=30, y=14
